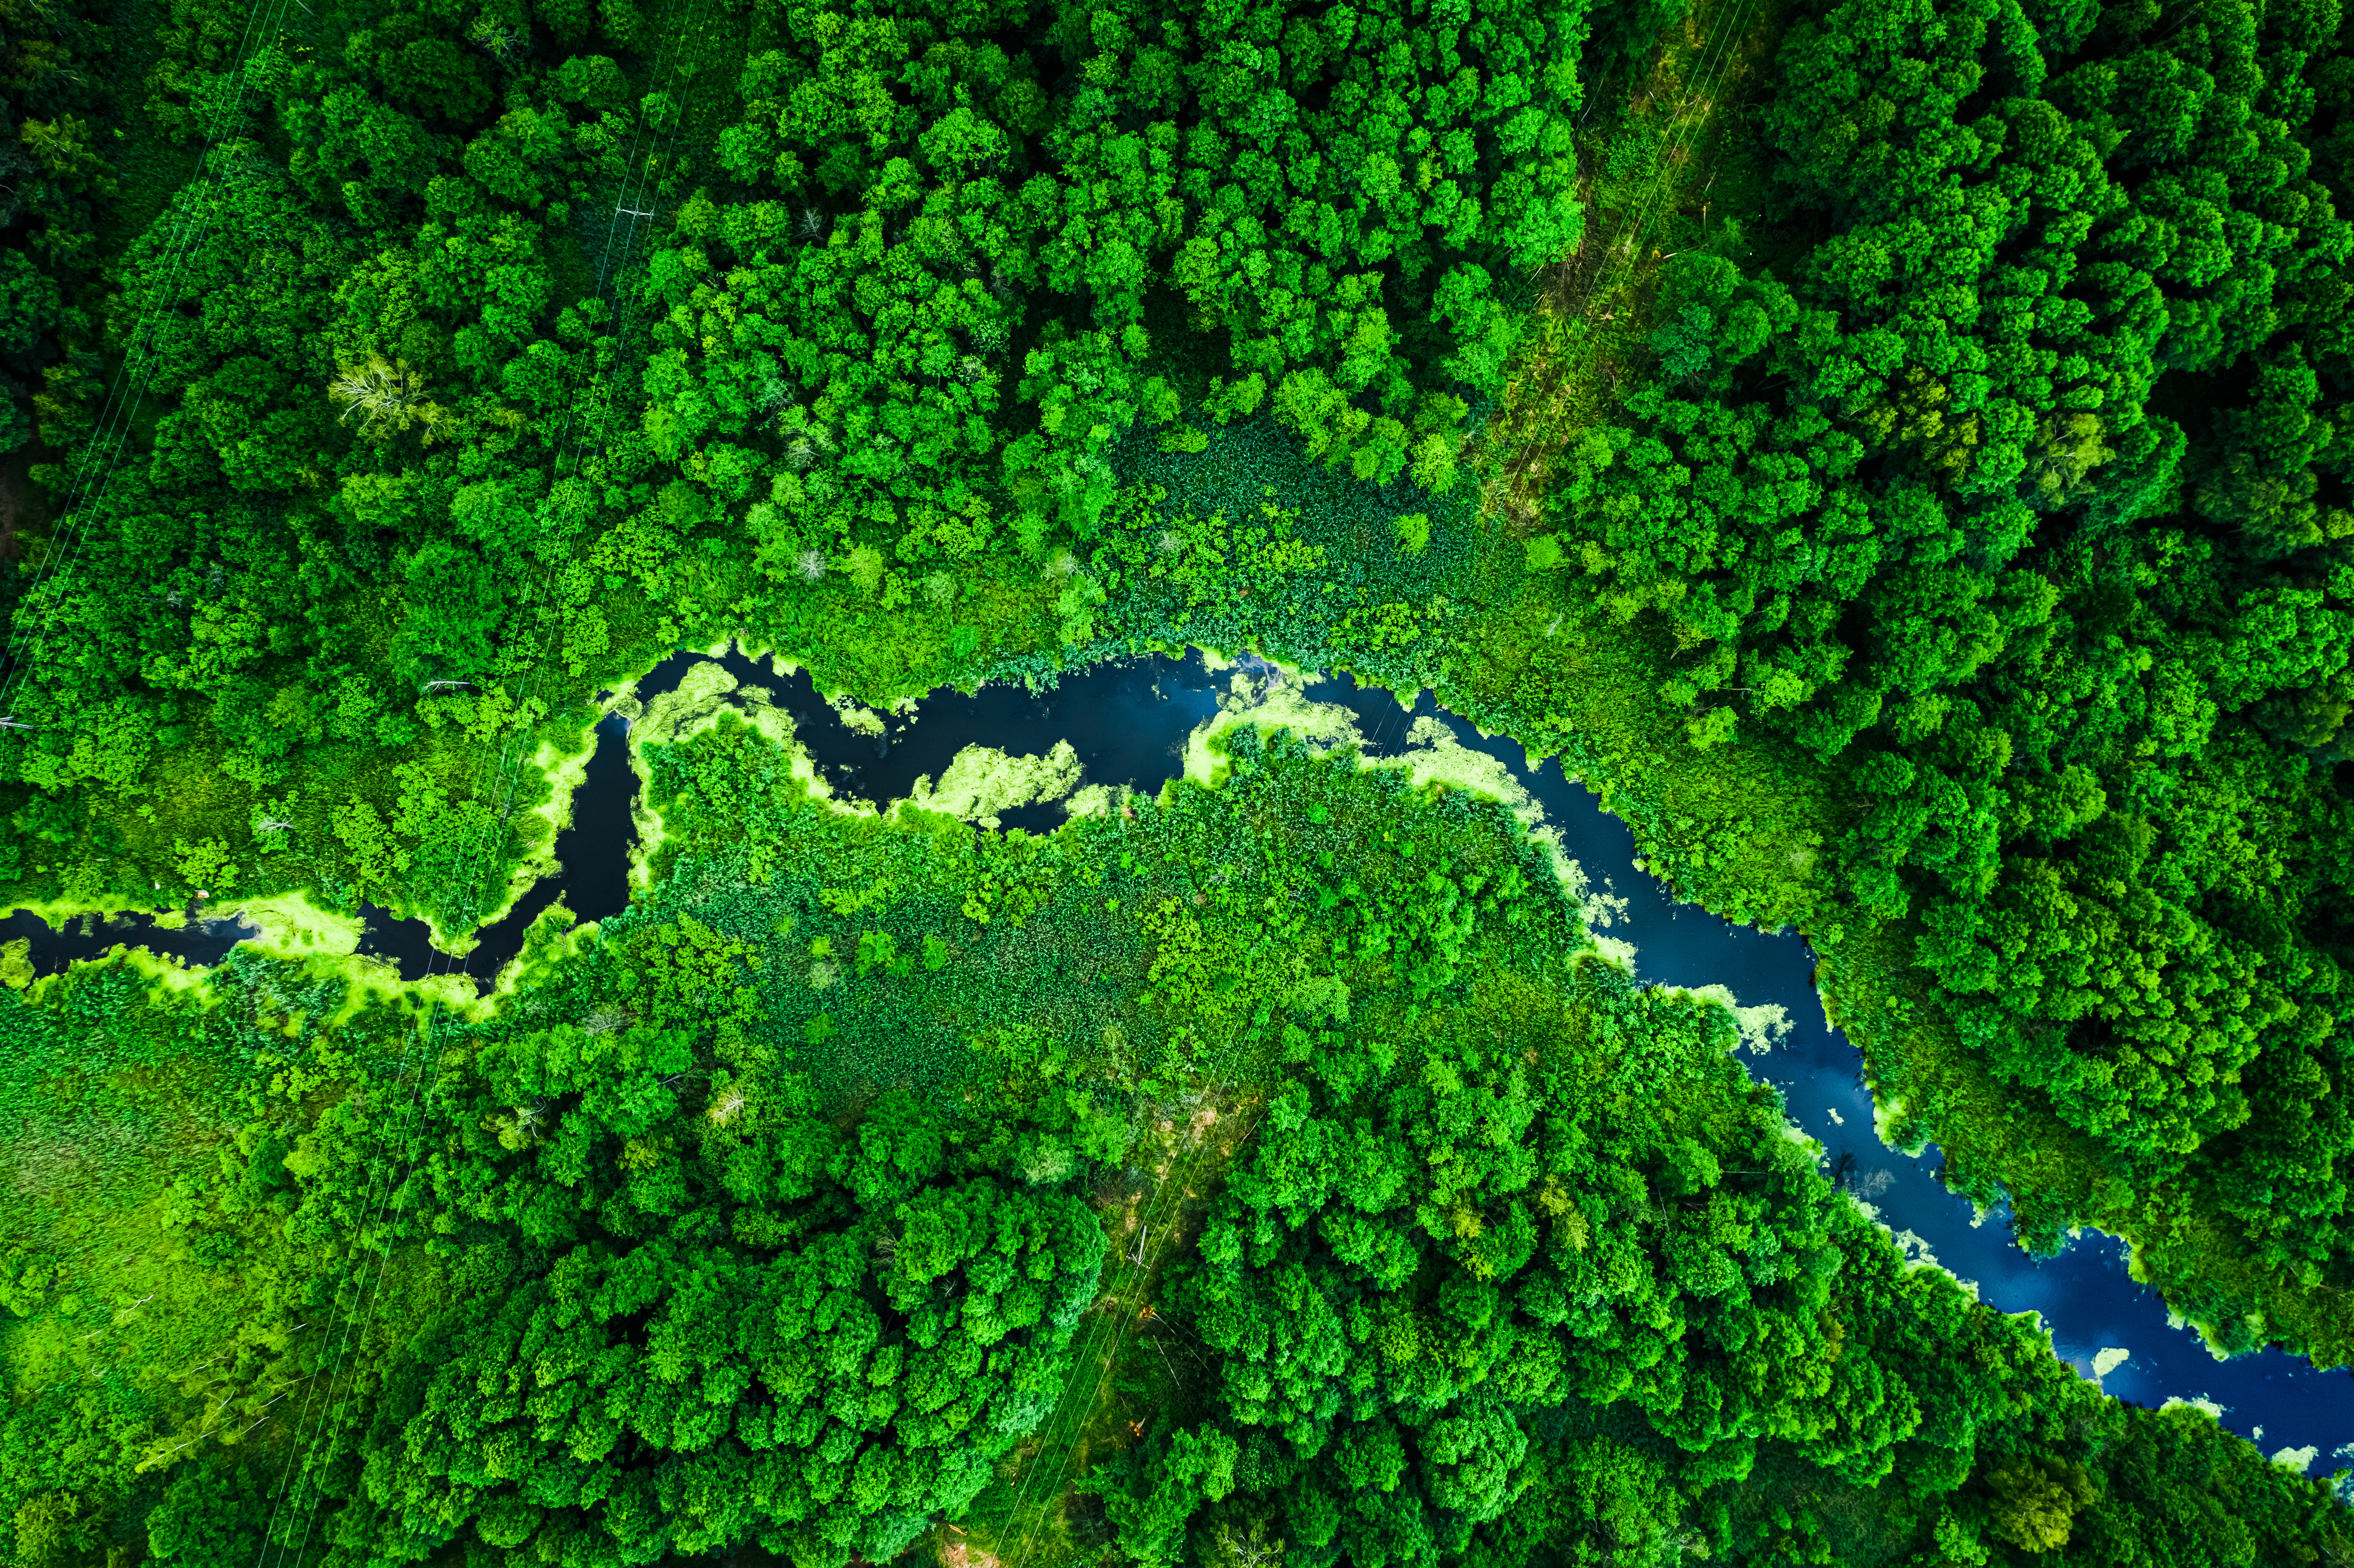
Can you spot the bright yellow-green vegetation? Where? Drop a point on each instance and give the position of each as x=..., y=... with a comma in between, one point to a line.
x=1269, y=1162
x=1891, y=449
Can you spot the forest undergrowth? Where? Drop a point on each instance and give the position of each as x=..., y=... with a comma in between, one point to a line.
x=1265, y=1162
x=1887, y=450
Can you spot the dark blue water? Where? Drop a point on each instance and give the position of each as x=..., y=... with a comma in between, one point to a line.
x=201, y=941
x=594, y=881
x=2086, y=1298
x=1129, y=724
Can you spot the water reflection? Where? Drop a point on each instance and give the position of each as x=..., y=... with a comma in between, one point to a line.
x=202, y=940
x=1129, y=724
x=594, y=882
x=2087, y=1300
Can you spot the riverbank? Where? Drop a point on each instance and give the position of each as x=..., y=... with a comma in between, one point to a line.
x=1140, y=726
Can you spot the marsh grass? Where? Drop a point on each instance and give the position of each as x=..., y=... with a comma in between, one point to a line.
x=1667, y=167
x=130, y=1095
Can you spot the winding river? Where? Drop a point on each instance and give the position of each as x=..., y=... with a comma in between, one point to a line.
x=1132, y=724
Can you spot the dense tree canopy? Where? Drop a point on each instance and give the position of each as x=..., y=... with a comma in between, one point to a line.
x=706, y=1236
x=2012, y=485
x=482, y=362
x=1936, y=535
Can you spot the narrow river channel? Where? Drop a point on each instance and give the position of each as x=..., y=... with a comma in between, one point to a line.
x=1130, y=724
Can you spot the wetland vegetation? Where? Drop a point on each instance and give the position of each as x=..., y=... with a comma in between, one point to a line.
x=1892, y=451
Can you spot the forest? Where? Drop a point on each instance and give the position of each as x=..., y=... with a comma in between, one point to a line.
x=1885, y=449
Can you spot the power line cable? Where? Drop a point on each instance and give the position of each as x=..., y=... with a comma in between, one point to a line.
x=1384, y=730
x=331, y=1411
x=1638, y=217
x=1173, y=1189
x=1177, y=1184
x=119, y=410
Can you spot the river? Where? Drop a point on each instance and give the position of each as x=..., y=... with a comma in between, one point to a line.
x=1130, y=724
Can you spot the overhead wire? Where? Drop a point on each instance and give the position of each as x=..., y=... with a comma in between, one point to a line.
x=1175, y=1187
x=1389, y=726
x=1714, y=70
x=119, y=410
x=1633, y=222
x=1178, y=1187
x=329, y=1406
